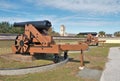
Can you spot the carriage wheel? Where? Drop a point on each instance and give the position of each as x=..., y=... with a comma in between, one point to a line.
x=21, y=43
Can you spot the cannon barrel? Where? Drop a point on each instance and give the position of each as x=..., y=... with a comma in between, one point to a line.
x=38, y=24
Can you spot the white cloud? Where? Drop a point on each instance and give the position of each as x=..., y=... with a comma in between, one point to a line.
x=7, y=5
x=20, y=18
x=83, y=22
x=15, y=12
x=91, y=6
x=13, y=19
x=72, y=21
x=72, y=25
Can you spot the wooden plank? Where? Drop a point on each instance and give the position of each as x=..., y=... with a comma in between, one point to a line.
x=74, y=47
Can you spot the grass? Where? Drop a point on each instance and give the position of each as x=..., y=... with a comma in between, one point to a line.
x=4, y=44
x=95, y=58
x=5, y=48
x=16, y=64
x=98, y=56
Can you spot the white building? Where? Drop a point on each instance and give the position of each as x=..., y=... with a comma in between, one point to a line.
x=62, y=30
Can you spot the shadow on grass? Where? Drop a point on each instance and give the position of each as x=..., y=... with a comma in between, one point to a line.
x=43, y=57
x=73, y=60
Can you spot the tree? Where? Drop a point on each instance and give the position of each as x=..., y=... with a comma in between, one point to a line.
x=6, y=27
x=101, y=33
x=52, y=32
x=117, y=34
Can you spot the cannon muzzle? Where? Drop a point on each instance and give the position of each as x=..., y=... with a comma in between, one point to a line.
x=38, y=24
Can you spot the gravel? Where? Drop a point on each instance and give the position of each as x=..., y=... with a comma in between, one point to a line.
x=90, y=74
x=112, y=70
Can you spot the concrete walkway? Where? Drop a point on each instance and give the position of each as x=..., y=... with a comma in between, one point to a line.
x=112, y=68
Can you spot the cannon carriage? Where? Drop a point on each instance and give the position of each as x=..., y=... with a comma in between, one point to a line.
x=36, y=40
x=92, y=40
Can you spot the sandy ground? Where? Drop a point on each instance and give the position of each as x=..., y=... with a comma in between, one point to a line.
x=111, y=40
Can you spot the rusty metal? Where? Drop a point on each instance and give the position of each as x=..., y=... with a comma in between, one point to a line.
x=36, y=40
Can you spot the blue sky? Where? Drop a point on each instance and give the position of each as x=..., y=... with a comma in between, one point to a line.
x=76, y=15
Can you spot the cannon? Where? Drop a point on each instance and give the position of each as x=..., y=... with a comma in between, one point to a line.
x=38, y=24
x=36, y=40
x=92, y=40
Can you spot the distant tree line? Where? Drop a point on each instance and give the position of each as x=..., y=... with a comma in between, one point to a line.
x=6, y=27
x=52, y=32
x=117, y=34
x=100, y=34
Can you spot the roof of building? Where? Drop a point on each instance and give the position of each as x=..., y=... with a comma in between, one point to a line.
x=86, y=33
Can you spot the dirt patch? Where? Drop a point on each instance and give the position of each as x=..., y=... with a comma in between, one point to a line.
x=96, y=67
x=96, y=58
x=90, y=74
x=96, y=62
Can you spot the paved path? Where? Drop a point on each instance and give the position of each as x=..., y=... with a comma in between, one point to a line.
x=112, y=69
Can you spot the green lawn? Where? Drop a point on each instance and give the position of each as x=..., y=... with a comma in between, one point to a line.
x=5, y=48
x=98, y=56
x=95, y=58
x=4, y=44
